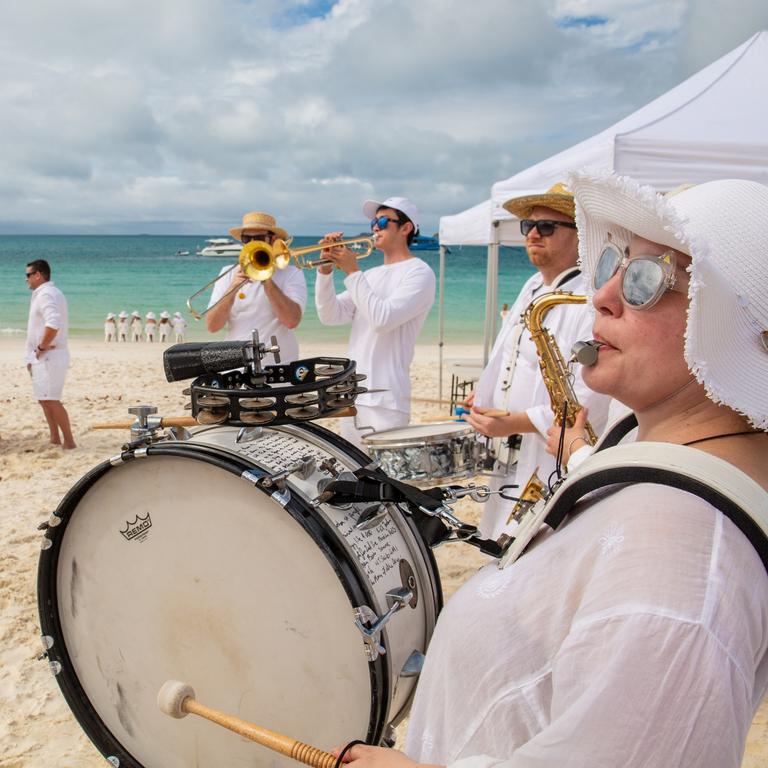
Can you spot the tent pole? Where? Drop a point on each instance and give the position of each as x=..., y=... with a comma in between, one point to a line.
x=441, y=324
x=491, y=292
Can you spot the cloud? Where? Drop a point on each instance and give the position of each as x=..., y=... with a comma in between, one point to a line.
x=184, y=114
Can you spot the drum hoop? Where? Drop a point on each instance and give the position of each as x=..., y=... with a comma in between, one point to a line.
x=421, y=441
x=317, y=528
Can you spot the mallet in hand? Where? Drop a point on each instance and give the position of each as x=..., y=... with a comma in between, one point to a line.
x=178, y=700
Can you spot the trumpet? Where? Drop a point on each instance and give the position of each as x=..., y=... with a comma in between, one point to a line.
x=258, y=261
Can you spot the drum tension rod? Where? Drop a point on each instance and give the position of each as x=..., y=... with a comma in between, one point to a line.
x=396, y=599
x=302, y=469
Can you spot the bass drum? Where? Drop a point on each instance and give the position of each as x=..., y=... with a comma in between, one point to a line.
x=175, y=561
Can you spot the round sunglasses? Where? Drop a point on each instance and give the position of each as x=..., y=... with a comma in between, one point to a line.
x=644, y=279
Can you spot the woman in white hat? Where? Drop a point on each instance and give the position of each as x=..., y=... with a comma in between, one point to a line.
x=135, y=325
x=123, y=326
x=179, y=326
x=635, y=633
x=150, y=326
x=110, y=328
x=164, y=327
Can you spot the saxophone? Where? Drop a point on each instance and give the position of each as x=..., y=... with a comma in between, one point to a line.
x=554, y=371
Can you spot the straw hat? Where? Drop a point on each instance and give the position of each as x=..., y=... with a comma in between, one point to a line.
x=557, y=197
x=135, y=313
x=150, y=315
x=123, y=315
x=258, y=220
x=110, y=316
x=164, y=315
x=723, y=227
x=177, y=314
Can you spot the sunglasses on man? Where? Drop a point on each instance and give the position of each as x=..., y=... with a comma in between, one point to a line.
x=29, y=274
x=246, y=238
x=545, y=227
x=644, y=279
x=382, y=222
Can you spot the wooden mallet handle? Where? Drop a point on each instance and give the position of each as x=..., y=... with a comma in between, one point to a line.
x=178, y=699
x=172, y=421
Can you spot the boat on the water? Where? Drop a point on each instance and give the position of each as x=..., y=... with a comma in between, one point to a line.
x=220, y=246
x=182, y=253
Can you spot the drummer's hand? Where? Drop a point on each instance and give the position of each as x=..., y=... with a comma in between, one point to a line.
x=469, y=400
x=491, y=426
x=363, y=756
x=575, y=437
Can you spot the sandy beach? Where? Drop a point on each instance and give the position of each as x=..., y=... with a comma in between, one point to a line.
x=36, y=726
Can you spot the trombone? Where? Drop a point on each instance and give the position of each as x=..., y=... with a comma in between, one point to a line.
x=259, y=260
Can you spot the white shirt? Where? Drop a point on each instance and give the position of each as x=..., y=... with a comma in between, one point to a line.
x=635, y=636
x=47, y=309
x=527, y=392
x=387, y=306
x=254, y=311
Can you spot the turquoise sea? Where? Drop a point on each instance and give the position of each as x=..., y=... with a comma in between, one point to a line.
x=101, y=274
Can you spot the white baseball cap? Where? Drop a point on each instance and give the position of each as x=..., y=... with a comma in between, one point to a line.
x=402, y=204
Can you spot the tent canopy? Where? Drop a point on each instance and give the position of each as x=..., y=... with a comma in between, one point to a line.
x=711, y=126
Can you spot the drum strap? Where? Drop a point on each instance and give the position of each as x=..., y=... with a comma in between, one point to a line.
x=423, y=506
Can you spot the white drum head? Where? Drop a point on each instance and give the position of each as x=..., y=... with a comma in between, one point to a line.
x=174, y=569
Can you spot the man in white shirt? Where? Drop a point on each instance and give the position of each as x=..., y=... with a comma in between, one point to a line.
x=386, y=306
x=273, y=307
x=47, y=354
x=512, y=381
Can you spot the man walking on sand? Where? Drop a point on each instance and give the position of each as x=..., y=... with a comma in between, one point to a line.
x=47, y=354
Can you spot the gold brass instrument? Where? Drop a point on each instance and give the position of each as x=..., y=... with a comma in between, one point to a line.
x=557, y=379
x=259, y=260
x=362, y=246
x=554, y=369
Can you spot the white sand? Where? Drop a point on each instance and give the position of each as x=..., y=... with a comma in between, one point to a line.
x=36, y=726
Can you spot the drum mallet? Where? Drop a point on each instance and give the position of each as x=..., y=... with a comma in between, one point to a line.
x=178, y=700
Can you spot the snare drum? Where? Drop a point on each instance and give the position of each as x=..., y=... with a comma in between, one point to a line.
x=428, y=454
x=177, y=561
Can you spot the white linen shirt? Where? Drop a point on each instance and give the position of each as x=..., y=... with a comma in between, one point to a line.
x=527, y=392
x=635, y=636
x=387, y=306
x=255, y=312
x=47, y=309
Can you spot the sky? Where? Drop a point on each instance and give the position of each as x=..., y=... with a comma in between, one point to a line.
x=178, y=116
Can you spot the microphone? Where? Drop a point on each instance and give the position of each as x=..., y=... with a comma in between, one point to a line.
x=585, y=352
x=192, y=359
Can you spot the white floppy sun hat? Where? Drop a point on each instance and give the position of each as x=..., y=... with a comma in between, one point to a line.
x=723, y=226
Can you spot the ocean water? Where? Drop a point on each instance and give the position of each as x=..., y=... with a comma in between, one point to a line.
x=101, y=274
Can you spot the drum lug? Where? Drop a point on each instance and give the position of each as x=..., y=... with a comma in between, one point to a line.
x=370, y=517
x=302, y=469
x=413, y=665
x=396, y=599
x=249, y=434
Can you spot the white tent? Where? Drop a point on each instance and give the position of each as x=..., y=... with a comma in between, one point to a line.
x=711, y=126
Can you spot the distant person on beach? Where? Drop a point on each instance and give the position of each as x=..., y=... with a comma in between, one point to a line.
x=47, y=353
x=179, y=326
x=512, y=380
x=164, y=327
x=386, y=306
x=273, y=307
x=110, y=328
x=150, y=327
x=123, y=326
x=135, y=326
